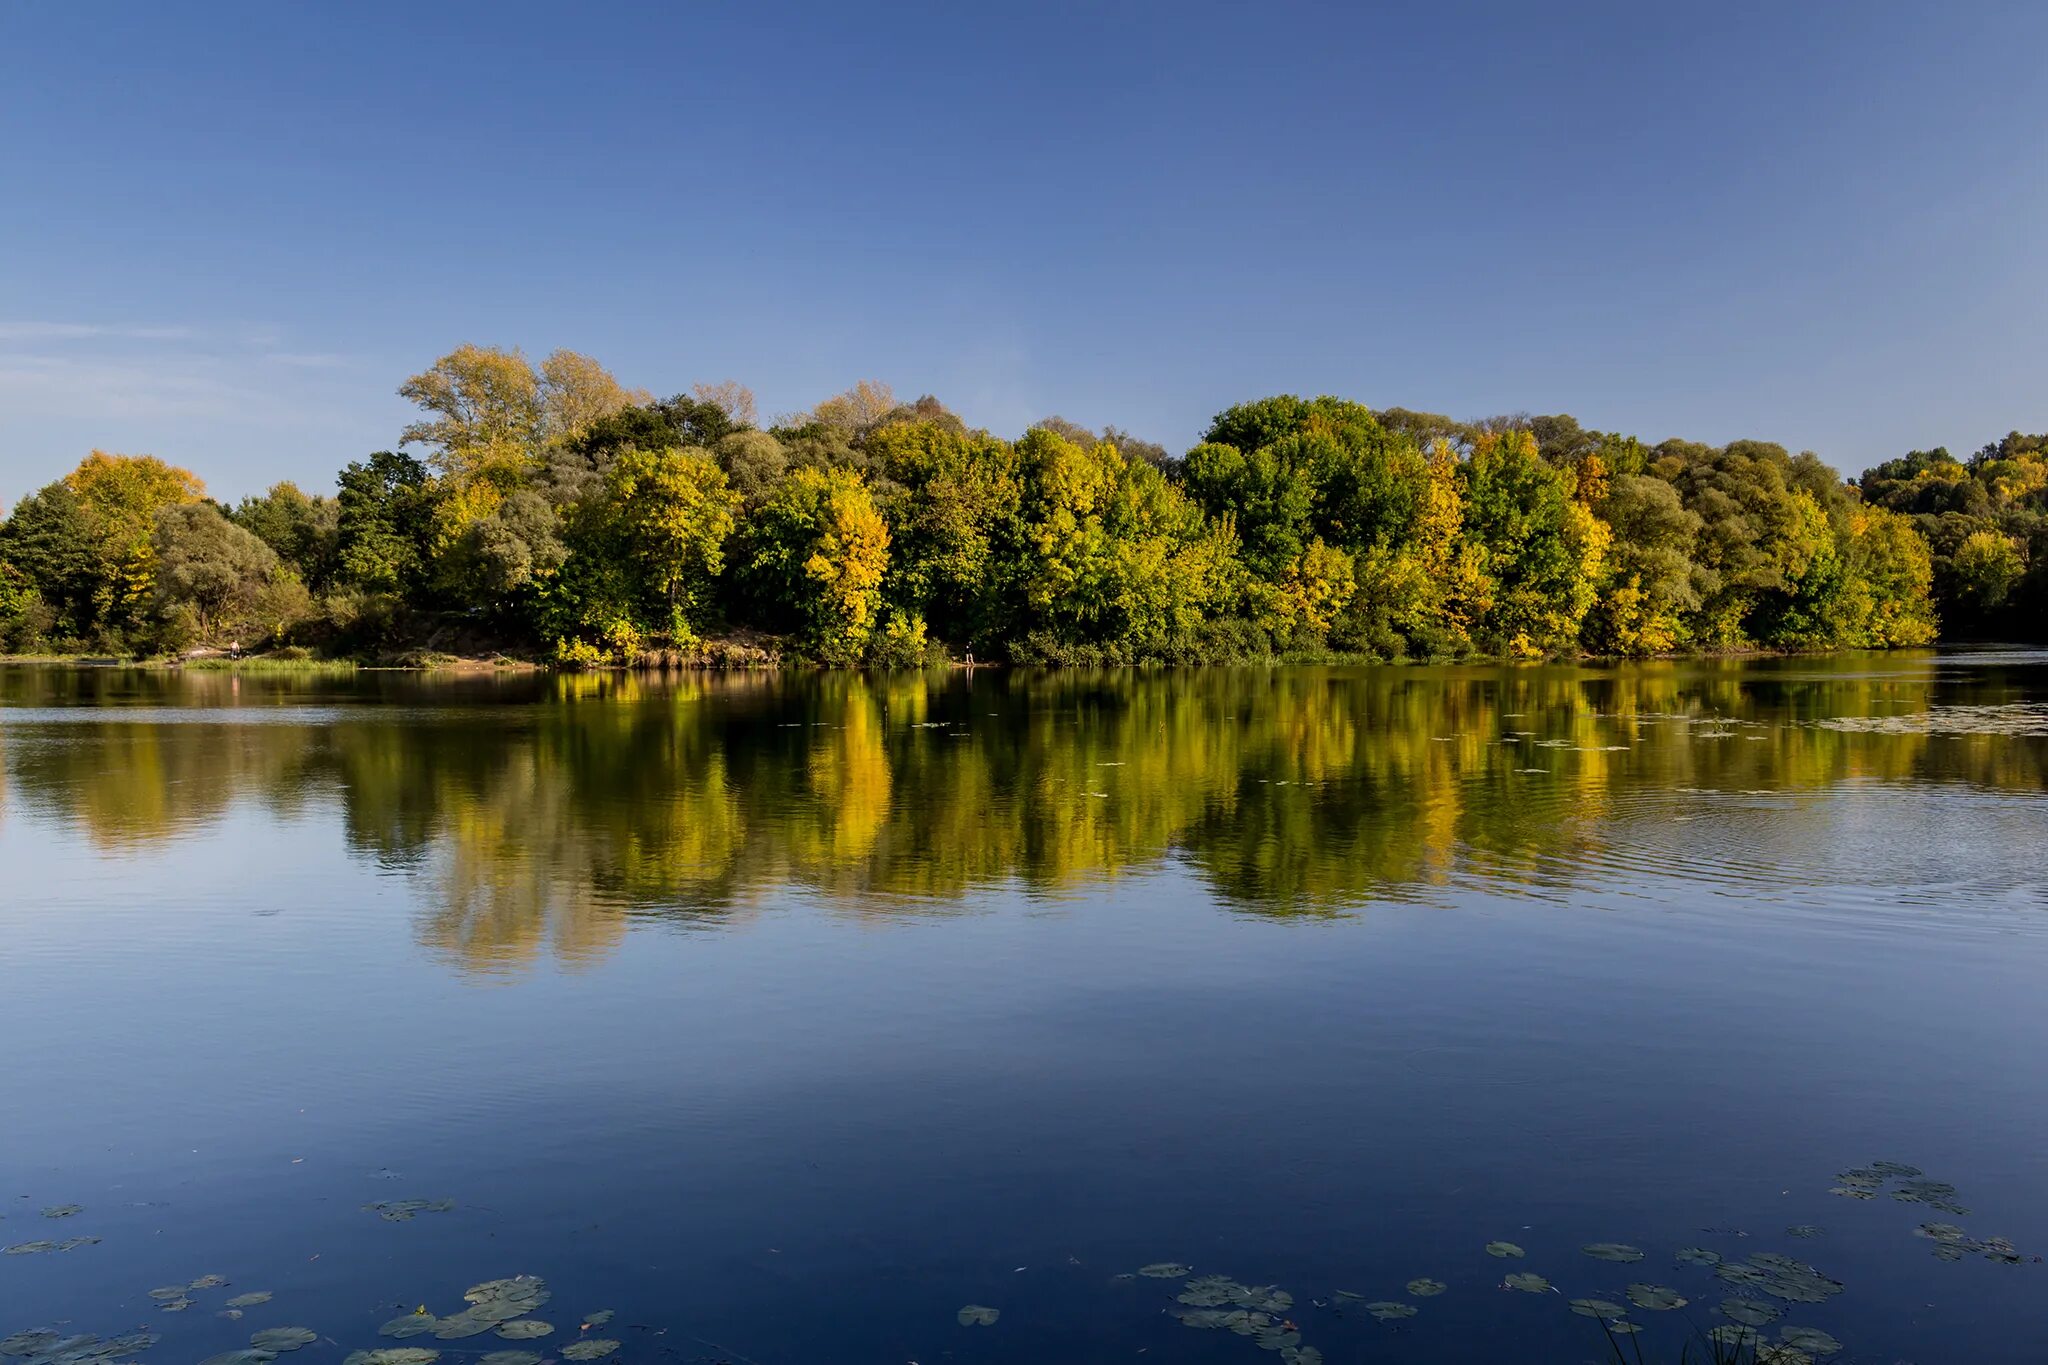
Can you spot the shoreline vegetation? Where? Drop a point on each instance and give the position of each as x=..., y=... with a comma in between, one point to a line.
x=553, y=516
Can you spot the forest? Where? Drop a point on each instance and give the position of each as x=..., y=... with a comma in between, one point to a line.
x=547, y=511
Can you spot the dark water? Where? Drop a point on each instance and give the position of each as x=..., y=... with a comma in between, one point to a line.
x=785, y=1016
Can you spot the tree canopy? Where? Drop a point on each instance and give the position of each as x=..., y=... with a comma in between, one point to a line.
x=552, y=508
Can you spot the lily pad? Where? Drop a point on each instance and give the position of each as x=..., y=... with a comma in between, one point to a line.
x=250, y=1357
x=1506, y=1250
x=1613, y=1251
x=1166, y=1270
x=29, y=1343
x=403, y=1210
x=1391, y=1312
x=63, y=1210
x=599, y=1348
x=1806, y=1230
x=1426, y=1288
x=526, y=1329
x=1528, y=1282
x=209, y=1282
x=281, y=1339
x=1300, y=1355
x=411, y=1325
x=1598, y=1308
x=511, y=1358
x=599, y=1318
x=1655, y=1297
x=1897, y=1169
x=1210, y=1291
x=1811, y=1340
x=1264, y=1298
x=393, y=1355
x=1276, y=1337
x=973, y=1315
x=177, y=1305
x=1750, y=1312
x=28, y=1248
x=1733, y=1334
x=1781, y=1277
x=250, y=1300
x=1853, y=1192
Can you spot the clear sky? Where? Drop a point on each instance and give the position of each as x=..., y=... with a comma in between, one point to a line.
x=227, y=232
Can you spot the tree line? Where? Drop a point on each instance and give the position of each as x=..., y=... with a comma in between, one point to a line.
x=550, y=508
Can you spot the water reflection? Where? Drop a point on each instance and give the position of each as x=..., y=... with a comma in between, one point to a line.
x=541, y=815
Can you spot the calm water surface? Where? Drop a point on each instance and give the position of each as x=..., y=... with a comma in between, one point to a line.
x=784, y=1016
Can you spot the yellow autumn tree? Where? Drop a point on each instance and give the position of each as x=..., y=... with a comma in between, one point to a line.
x=819, y=551
x=119, y=497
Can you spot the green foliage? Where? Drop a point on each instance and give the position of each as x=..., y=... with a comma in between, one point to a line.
x=304, y=531
x=384, y=524
x=558, y=511
x=817, y=552
x=217, y=582
x=48, y=545
x=1986, y=523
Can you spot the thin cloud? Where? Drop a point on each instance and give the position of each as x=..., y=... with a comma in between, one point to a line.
x=310, y=360
x=89, y=331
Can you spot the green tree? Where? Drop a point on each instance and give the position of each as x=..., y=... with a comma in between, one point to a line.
x=669, y=514
x=47, y=541
x=1543, y=549
x=384, y=524
x=818, y=550
x=217, y=581
x=303, y=529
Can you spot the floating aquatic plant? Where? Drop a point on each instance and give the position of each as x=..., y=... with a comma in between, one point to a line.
x=1166, y=1270
x=510, y=1358
x=63, y=1210
x=1655, y=1297
x=526, y=1329
x=1426, y=1288
x=248, y=1357
x=411, y=1325
x=1811, y=1340
x=278, y=1340
x=1698, y=1256
x=1300, y=1355
x=599, y=1318
x=250, y=1300
x=1781, y=1277
x=1598, y=1308
x=209, y=1282
x=1276, y=1336
x=1507, y=1250
x=1613, y=1251
x=1750, y=1312
x=1210, y=1291
x=1390, y=1312
x=1804, y=1230
x=973, y=1315
x=28, y=1248
x=44, y=1346
x=599, y=1348
x=403, y=1210
x=393, y=1355
x=1528, y=1282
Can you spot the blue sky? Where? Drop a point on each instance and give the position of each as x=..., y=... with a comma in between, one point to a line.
x=227, y=232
